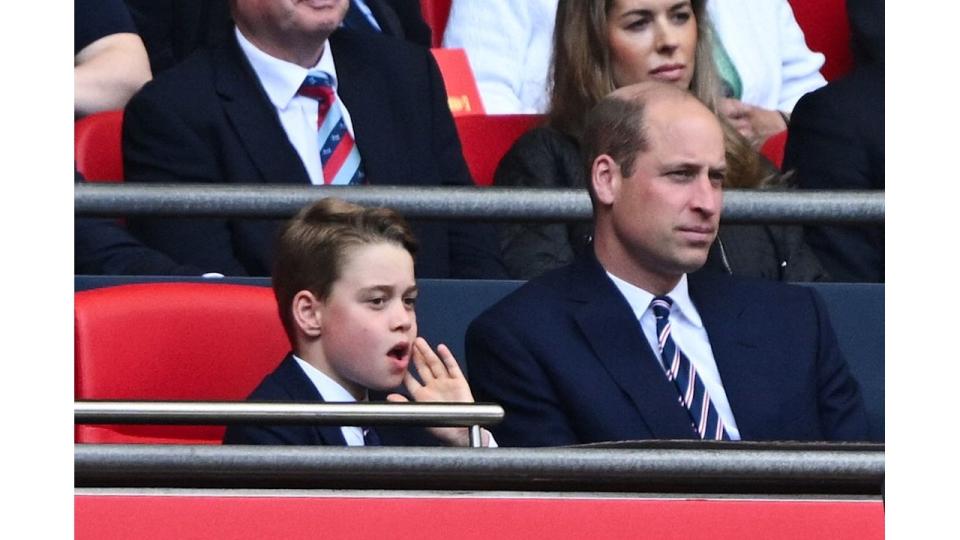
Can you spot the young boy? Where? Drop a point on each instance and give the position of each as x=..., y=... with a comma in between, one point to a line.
x=343, y=278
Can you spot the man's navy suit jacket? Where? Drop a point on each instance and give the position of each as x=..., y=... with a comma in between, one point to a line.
x=566, y=358
x=289, y=383
x=209, y=120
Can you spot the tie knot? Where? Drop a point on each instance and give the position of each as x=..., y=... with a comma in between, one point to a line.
x=318, y=85
x=661, y=306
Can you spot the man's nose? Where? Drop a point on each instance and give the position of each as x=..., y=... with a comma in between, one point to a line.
x=707, y=195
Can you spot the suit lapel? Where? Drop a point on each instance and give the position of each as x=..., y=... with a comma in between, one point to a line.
x=365, y=91
x=254, y=119
x=300, y=388
x=616, y=338
x=386, y=17
x=723, y=310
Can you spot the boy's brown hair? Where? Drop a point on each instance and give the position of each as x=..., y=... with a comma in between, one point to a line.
x=312, y=245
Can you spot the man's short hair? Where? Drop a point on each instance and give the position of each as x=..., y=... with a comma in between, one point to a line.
x=616, y=125
x=313, y=244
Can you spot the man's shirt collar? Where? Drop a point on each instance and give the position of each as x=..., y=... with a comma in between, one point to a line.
x=640, y=299
x=282, y=79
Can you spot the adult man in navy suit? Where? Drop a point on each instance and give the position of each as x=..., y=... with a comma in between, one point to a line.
x=233, y=114
x=582, y=354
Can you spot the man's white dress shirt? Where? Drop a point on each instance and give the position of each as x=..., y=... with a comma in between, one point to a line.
x=298, y=114
x=687, y=331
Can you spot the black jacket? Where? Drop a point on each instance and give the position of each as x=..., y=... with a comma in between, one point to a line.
x=836, y=142
x=288, y=383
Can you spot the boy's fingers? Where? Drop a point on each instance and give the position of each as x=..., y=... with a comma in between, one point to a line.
x=453, y=367
x=411, y=384
x=420, y=363
x=430, y=358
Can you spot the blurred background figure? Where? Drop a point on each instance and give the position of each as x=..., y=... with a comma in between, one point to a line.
x=760, y=53
x=291, y=97
x=172, y=29
x=835, y=141
x=109, y=60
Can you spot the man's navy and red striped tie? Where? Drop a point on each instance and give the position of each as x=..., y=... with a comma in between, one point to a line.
x=338, y=152
x=693, y=396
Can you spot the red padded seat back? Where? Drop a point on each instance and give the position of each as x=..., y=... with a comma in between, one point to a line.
x=827, y=30
x=172, y=341
x=97, y=146
x=486, y=138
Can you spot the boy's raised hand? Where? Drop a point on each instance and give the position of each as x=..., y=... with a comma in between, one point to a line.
x=442, y=382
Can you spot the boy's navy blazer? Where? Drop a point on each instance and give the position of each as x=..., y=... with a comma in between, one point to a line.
x=566, y=358
x=209, y=120
x=289, y=383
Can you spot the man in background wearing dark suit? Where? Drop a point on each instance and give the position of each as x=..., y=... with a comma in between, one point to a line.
x=241, y=113
x=836, y=142
x=630, y=341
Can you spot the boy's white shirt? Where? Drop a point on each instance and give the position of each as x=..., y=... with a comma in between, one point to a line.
x=331, y=391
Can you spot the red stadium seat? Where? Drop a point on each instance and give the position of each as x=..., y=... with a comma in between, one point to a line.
x=773, y=148
x=172, y=341
x=97, y=147
x=485, y=139
x=827, y=30
x=436, y=12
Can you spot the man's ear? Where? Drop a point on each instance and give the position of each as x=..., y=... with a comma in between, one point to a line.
x=307, y=313
x=605, y=178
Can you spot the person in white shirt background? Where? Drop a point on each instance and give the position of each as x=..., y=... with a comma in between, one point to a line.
x=509, y=45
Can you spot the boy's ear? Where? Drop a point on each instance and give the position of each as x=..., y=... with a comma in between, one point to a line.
x=307, y=313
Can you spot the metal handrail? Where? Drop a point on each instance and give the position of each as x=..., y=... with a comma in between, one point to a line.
x=729, y=467
x=225, y=412
x=458, y=203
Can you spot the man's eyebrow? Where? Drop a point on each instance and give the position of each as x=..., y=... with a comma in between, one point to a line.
x=682, y=165
x=719, y=169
